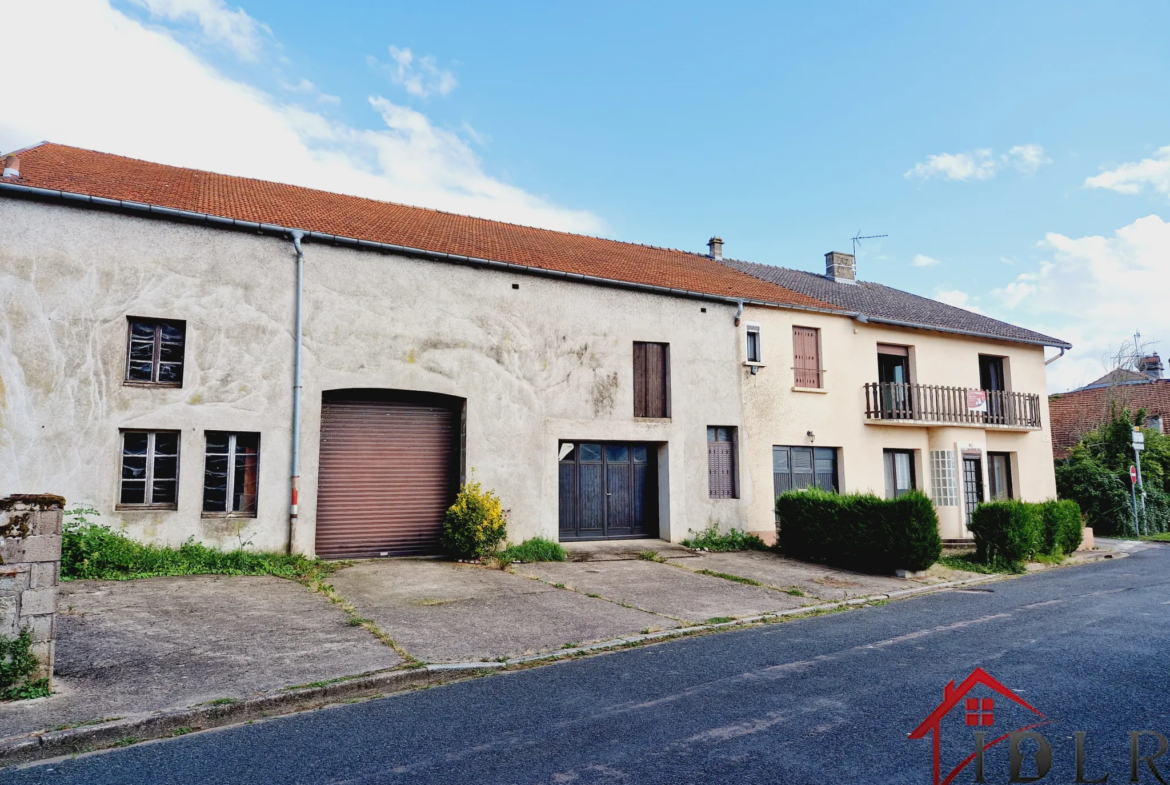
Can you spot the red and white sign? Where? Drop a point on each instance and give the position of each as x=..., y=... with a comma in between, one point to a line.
x=1133, y=474
x=977, y=401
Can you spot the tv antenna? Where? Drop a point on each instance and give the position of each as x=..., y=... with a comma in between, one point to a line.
x=858, y=238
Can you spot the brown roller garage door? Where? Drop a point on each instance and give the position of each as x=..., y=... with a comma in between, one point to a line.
x=389, y=466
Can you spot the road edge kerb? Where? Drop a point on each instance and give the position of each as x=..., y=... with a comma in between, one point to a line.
x=29, y=748
x=161, y=724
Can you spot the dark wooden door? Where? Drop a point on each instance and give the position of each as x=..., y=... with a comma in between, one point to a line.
x=607, y=490
x=388, y=473
x=972, y=483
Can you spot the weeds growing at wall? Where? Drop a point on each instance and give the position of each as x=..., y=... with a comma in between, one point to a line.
x=17, y=664
x=90, y=551
x=534, y=550
x=710, y=539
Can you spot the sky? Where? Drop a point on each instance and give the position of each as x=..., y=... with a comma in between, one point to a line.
x=1017, y=155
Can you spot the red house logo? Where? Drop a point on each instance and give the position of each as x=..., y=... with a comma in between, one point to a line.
x=978, y=713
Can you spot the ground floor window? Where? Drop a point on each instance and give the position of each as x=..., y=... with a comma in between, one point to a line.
x=150, y=469
x=231, y=473
x=721, y=462
x=899, y=472
x=800, y=467
x=944, y=486
x=999, y=475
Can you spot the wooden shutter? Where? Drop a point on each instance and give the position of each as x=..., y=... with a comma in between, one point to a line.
x=651, y=379
x=721, y=466
x=806, y=352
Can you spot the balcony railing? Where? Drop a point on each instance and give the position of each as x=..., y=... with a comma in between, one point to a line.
x=935, y=404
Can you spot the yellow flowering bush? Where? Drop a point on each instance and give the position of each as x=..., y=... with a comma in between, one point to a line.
x=476, y=523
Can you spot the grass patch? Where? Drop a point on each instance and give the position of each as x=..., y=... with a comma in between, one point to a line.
x=181, y=731
x=1159, y=537
x=1049, y=558
x=719, y=620
x=968, y=565
x=726, y=577
x=795, y=591
x=654, y=556
x=734, y=540
x=71, y=725
x=535, y=549
x=220, y=702
x=93, y=552
x=126, y=741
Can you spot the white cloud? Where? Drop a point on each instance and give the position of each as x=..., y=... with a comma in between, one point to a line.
x=956, y=298
x=1132, y=177
x=1027, y=158
x=980, y=164
x=180, y=111
x=1095, y=292
x=220, y=24
x=420, y=76
x=977, y=165
x=921, y=260
x=308, y=88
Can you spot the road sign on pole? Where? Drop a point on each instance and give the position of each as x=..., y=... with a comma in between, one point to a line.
x=1133, y=494
x=1133, y=474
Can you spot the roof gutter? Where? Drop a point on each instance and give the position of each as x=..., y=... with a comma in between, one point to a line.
x=140, y=208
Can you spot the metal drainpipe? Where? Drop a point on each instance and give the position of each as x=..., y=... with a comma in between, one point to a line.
x=1057, y=357
x=296, y=235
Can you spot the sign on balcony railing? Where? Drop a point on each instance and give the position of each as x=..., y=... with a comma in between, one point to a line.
x=933, y=403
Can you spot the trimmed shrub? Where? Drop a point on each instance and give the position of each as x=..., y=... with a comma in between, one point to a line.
x=1007, y=533
x=475, y=525
x=859, y=532
x=1062, y=525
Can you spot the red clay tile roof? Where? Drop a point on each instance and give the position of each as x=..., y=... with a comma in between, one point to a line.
x=61, y=168
x=1072, y=414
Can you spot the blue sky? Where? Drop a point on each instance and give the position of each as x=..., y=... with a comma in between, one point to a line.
x=1012, y=149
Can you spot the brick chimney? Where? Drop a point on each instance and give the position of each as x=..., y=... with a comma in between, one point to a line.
x=1151, y=366
x=11, y=167
x=841, y=267
x=715, y=247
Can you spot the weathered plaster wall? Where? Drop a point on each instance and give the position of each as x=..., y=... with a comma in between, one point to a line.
x=549, y=361
x=775, y=414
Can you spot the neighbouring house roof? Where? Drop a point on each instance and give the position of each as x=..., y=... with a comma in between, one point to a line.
x=76, y=171
x=873, y=300
x=1118, y=376
x=1072, y=414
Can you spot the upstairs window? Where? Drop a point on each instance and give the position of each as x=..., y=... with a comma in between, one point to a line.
x=754, y=352
x=155, y=354
x=721, y=462
x=806, y=354
x=150, y=469
x=231, y=474
x=651, y=379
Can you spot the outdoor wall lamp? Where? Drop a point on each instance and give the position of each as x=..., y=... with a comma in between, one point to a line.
x=812, y=437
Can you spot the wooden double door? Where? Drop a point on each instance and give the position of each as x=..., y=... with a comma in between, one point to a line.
x=608, y=490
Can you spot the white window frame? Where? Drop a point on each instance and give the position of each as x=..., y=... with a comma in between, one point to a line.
x=753, y=329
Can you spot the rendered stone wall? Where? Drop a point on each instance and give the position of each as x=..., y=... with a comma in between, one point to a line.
x=30, y=569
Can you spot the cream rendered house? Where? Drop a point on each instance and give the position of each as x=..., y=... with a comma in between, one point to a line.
x=204, y=356
x=896, y=392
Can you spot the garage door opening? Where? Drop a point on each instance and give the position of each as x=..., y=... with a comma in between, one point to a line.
x=390, y=468
x=608, y=490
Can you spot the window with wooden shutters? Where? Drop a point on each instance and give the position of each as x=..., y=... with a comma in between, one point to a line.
x=795, y=468
x=806, y=354
x=721, y=462
x=651, y=379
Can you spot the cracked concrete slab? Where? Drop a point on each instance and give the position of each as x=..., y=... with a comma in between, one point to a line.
x=127, y=647
x=815, y=580
x=443, y=611
x=664, y=588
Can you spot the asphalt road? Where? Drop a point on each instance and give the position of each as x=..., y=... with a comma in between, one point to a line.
x=821, y=700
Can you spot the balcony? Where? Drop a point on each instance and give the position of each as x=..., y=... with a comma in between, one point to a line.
x=891, y=403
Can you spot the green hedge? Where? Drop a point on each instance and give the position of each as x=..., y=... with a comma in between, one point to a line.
x=859, y=532
x=1009, y=533
x=1063, y=528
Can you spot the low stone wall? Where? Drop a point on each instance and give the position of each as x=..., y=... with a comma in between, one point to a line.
x=30, y=569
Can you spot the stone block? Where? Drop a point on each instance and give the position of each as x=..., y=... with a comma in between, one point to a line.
x=12, y=550
x=47, y=522
x=44, y=575
x=13, y=578
x=34, y=602
x=43, y=628
x=44, y=652
x=9, y=615
x=46, y=547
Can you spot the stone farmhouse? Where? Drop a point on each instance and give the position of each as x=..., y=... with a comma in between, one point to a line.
x=204, y=356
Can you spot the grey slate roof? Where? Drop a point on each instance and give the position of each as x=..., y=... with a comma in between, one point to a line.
x=883, y=304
